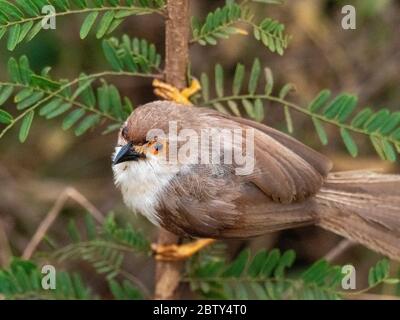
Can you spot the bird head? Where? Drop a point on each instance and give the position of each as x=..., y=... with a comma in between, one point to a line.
x=138, y=140
x=128, y=150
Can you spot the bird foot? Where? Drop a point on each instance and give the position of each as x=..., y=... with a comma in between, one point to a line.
x=168, y=92
x=174, y=252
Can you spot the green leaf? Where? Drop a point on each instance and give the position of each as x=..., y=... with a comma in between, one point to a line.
x=258, y=291
x=257, y=264
x=23, y=94
x=90, y=227
x=360, y=119
x=34, y=31
x=111, y=55
x=286, y=90
x=116, y=290
x=377, y=144
x=286, y=261
x=103, y=97
x=73, y=231
x=50, y=106
x=13, y=36
x=378, y=273
x=5, y=93
x=391, y=281
x=26, y=27
x=389, y=150
x=81, y=4
x=319, y=101
x=238, y=79
x=249, y=108
x=269, y=81
x=377, y=121
x=219, y=80
x=254, y=76
x=84, y=83
x=116, y=22
x=44, y=83
x=112, y=128
x=25, y=126
x=271, y=262
x=115, y=100
x=316, y=272
x=349, y=142
x=241, y=291
x=205, y=87
x=11, y=10
x=25, y=70
x=60, y=110
x=347, y=108
x=3, y=31
x=104, y=24
x=333, y=109
x=88, y=24
x=87, y=123
x=258, y=110
x=234, y=108
x=218, y=106
x=396, y=134
x=34, y=98
x=5, y=117
x=13, y=70
x=288, y=118
x=390, y=124
x=238, y=266
x=320, y=131
x=29, y=7
x=72, y=118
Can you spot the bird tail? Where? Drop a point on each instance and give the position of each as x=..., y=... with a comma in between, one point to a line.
x=363, y=207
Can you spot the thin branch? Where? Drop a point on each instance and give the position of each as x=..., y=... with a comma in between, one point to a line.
x=339, y=249
x=68, y=193
x=305, y=111
x=56, y=93
x=5, y=250
x=177, y=31
x=134, y=9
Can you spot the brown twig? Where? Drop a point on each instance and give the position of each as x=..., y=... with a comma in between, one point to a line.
x=68, y=193
x=176, y=61
x=5, y=250
x=371, y=296
x=339, y=249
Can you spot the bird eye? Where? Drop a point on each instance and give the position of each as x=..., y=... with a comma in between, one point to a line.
x=158, y=146
x=124, y=132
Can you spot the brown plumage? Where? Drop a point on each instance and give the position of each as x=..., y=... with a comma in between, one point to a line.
x=290, y=186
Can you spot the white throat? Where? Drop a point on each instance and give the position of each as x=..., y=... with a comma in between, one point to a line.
x=142, y=183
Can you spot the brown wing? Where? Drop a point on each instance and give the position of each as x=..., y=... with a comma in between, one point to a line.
x=201, y=203
x=285, y=169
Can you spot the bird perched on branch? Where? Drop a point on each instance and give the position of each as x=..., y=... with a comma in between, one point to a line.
x=290, y=185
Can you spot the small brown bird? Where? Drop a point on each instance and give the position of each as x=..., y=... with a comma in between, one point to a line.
x=290, y=185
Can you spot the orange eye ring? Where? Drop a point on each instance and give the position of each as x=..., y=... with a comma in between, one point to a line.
x=157, y=147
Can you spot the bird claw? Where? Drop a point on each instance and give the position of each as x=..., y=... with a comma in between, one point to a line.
x=171, y=93
x=174, y=252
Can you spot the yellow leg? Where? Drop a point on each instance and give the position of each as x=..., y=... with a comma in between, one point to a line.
x=168, y=92
x=176, y=252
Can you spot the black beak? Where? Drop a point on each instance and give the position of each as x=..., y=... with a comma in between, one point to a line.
x=127, y=154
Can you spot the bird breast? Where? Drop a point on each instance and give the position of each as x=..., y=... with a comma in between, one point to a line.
x=142, y=183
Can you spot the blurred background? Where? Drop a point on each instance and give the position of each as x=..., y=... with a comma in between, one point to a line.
x=365, y=61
